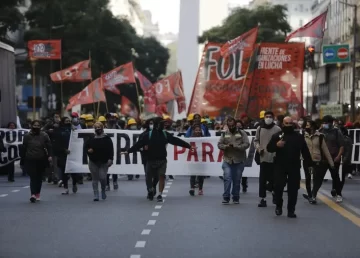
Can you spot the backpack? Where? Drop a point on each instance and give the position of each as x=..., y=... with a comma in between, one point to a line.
x=150, y=133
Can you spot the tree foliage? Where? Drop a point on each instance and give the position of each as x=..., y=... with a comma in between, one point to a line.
x=88, y=26
x=271, y=18
x=10, y=16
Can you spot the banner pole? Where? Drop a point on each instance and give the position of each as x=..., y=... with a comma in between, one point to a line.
x=94, y=105
x=243, y=85
x=137, y=92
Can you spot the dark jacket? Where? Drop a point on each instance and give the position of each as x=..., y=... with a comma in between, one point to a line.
x=346, y=157
x=157, y=144
x=36, y=146
x=62, y=145
x=289, y=155
x=103, y=149
x=143, y=152
x=2, y=146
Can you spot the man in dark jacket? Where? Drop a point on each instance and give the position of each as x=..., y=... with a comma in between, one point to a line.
x=288, y=145
x=155, y=142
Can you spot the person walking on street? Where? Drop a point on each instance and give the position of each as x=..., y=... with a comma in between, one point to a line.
x=266, y=177
x=100, y=150
x=36, y=156
x=196, y=132
x=346, y=158
x=288, y=145
x=234, y=143
x=156, y=141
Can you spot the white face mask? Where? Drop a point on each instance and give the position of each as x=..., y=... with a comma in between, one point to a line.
x=300, y=123
x=268, y=121
x=151, y=127
x=133, y=127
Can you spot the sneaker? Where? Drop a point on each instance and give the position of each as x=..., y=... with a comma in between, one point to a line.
x=37, y=196
x=159, y=198
x=137, y=176
x=236, y=201
x=291, y=215
x=312, y=201
x=244, y=190
x=192, y=192
x=201, y=192
x=74, y=189
x=349, y=176
x=262, y=203
x=171, y=177
x=339, y=199
x=66, y=192
x=306, y=197
x=225, y=201
x=273, y=199
x=151, y=195
x=33, y=198
x=60, y=184
x=333, y=193
x=278, y=211
x=107, y=188
x=96, y=196
x=116, y=186
x=103, y=195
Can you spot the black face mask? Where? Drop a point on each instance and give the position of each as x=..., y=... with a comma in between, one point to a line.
x=98, y=131
x=36, y=130
x=67, y=125
x=288, y=129
x=232, y=129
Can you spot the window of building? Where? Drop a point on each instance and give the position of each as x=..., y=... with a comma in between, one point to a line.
x=301, y=23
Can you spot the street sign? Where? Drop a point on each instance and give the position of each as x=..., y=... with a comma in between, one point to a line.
x=333, y=54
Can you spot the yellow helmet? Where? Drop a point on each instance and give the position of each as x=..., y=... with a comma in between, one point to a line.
x=102, y=119
x=190, y=117
x=166, y=117
x=262, y=114
x=83, y=116
x=132, y=121
x=89, y=118
x=203, y=120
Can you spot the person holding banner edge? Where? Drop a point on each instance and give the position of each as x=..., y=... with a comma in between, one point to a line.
x=156, y=141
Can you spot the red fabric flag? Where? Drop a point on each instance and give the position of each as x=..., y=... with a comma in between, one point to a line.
x=313, y=29
x=169, y=88
x=149, y=93
x=76, y=73
x=90, y=94
x=128, y=108
x=240, y=43
x=120, y=75
x=45, y=49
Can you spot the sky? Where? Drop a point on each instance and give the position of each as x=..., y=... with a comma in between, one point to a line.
x=167, y=12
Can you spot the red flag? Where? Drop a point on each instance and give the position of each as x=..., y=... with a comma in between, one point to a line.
x=313, y=29
x=149, y=93
x=240, y=43
x=120, y=75
x=128, y=108
x=169, y=88
x=76, y=73
x=45, y=49
x=90, y=94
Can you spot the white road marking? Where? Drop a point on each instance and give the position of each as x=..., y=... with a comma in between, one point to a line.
x=146, y=232
x=164, y=195
x=167, y=187
x=26, y=186
x=140, y=244
x=155, y=214
x=169, y=183
x=15, y=191
x=135, y=256
x=165, y=191
x=151, y=222
x=170, y=180
x=3, y=195
x=158, y=207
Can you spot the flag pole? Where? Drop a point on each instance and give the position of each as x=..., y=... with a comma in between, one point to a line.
x=137, y=91
x=315, y=79
x=243, y=85
x=94, y=105
x=61, y=92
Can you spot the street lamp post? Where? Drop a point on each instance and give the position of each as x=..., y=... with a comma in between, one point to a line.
x=352, y=97
x=33, y=65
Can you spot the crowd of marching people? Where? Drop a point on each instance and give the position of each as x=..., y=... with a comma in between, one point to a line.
x=282, y=146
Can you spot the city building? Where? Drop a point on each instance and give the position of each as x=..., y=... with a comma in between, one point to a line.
x=131, y=10
x=151, y=29
x=334, y=82
x=196, y=16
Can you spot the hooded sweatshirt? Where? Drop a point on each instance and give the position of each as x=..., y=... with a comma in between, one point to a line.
x=103, y=149
x=263, y=136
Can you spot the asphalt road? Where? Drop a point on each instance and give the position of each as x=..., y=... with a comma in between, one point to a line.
x=126, y=225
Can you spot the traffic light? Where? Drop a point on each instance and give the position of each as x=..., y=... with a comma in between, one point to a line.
x=309, y=57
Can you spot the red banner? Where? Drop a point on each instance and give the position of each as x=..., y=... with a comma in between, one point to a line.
x=169, y=88
x=277, y=80
x=76, y=73
x=240, y=42
x=120, y=75
x=90, y=94
x=128, y=108
x=44, y=49
x=149, y=93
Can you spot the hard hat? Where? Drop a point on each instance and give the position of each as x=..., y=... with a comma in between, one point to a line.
x=83, y=116
x=132, y=121
x=203, y=120
x=262, y=114
x=102, y=119
x=166, y=117
x=190, y=117
x=89, y=118
x=115, y=115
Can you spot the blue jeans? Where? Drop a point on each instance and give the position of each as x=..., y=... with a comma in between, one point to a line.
x=232, y=174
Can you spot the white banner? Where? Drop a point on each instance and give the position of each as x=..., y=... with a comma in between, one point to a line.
x=12, y=140
x=206, y=160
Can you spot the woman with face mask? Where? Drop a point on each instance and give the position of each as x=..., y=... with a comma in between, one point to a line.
x=196, y=132
x=100, y=150
x=36, y=156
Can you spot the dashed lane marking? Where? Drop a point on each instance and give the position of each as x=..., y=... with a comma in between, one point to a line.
x=165, y=191
x=169, y=183
x=146, y=232
x=158, y=207
x=3, y=195
x=155, y=214
x=164, y=195
x=167, y=187
x=135, y=256
x=15, y=191
x=26, y=186
x=140, y=244
x=151, y=222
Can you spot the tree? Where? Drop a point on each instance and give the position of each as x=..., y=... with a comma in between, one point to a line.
x=271, y=18
x=10, y=16
x=88, y=26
